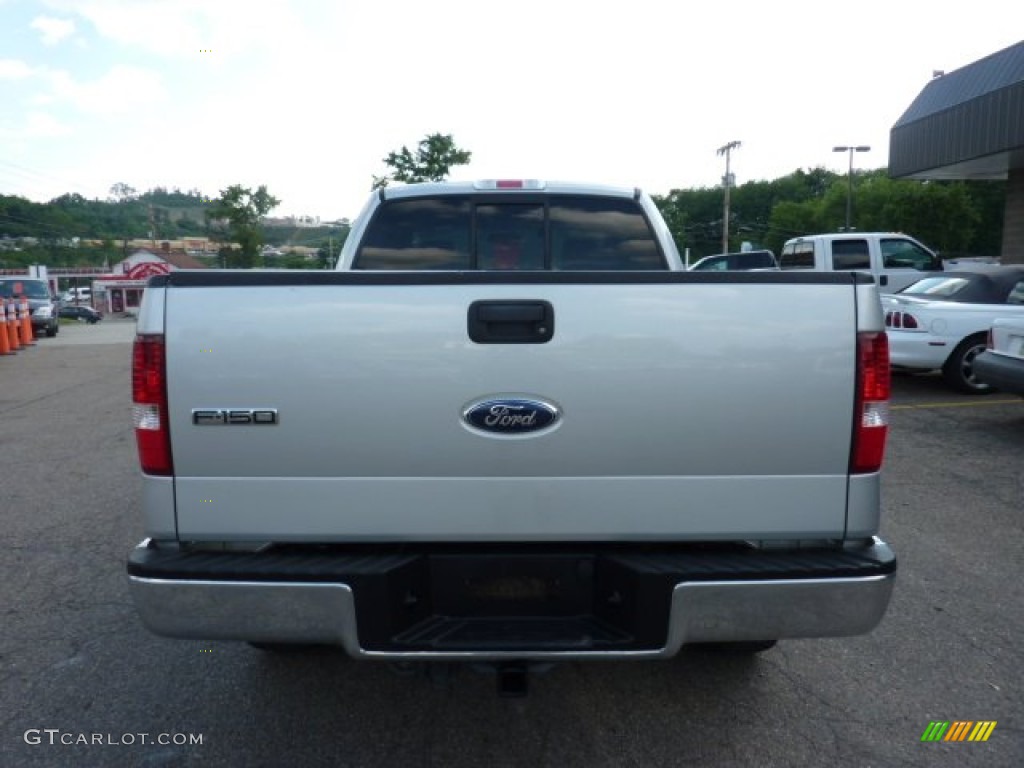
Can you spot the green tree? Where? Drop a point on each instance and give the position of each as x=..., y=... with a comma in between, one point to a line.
x=121, y=192
x=432, y=161
x=239, y=213
x=792, y=219
x=942, y=214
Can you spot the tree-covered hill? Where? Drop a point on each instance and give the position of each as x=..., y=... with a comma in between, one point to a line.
x=167, y=214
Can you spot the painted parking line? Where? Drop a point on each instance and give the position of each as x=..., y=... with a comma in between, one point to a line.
x=973, y=403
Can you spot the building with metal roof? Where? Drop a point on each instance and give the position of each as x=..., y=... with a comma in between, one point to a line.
x=969, y=124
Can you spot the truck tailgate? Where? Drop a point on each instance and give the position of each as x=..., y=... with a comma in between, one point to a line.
x=690, y=408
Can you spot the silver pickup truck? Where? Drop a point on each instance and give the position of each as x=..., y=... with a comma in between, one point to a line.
x=511, y=426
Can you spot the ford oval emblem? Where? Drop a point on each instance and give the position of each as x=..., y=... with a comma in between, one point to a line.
x=511, y=415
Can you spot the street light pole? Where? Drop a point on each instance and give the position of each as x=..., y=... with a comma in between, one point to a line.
x=849, y=179
x=727, y=182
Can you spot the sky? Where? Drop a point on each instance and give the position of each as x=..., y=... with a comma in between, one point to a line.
x=309, y=96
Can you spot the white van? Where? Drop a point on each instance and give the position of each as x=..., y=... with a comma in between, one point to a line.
x=77, y=296
x=893, y=259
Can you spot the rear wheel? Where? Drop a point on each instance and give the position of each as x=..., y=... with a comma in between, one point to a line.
x=959, y=368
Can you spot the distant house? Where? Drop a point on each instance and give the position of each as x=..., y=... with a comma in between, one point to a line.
x=193, y=245
x=291, y=221
x=122, y=289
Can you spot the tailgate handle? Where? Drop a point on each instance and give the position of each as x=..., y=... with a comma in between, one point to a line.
x=511, y=322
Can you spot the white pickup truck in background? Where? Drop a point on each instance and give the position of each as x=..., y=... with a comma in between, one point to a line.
x=511, y=427
x=894, y=260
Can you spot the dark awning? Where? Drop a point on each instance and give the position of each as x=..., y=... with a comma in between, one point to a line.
x=966, y=124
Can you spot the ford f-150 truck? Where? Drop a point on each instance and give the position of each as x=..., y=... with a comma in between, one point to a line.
x=511, y=427
x=893, y=259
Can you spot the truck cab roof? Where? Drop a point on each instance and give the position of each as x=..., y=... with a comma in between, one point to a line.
x=504, y=186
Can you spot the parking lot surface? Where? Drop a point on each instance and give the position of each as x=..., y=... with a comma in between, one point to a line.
x=75, y=662
x=113, y=329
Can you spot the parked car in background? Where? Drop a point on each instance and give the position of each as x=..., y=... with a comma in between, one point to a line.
x=893, y=259
x=941, y=322
x=1002, y=364
x=81, y=313
x=761, y=259
x=42, y=304
x=77, y=296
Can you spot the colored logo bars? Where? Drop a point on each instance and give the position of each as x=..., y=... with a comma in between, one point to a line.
x=958, y=730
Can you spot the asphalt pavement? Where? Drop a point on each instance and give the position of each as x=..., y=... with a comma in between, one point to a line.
x=112, y=329
x=76, y=666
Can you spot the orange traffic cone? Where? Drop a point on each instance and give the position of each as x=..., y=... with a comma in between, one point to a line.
x=27, y=337
x=12, y=326
x=5, y=343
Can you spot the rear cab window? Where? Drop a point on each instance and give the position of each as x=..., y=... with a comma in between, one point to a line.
x=798, y=255
x=548, y=232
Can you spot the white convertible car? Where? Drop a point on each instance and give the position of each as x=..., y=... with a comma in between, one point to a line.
x=941, y=322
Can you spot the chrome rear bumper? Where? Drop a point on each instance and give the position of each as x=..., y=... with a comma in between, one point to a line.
x=326, y=613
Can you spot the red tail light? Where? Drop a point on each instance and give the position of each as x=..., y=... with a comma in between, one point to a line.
x=900, y=320
x=149, y=394
x=872, y=405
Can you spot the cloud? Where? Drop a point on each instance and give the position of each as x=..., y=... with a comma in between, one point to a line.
x=41, y=125
x=53, y=30
x=183, y=28
x=14, y=69
x=37, y=125
x=122, y=90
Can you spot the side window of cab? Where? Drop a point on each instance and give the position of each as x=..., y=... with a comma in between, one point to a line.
x=903, y=254
x=850, y=254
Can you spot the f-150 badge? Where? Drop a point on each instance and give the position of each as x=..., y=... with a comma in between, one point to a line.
x=204, y=417
x=511, y=416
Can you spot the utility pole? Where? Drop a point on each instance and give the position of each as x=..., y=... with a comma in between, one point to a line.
x=726, y=182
